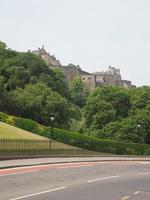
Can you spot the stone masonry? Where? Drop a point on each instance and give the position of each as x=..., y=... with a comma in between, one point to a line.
x=111, y=77
x=49, y=59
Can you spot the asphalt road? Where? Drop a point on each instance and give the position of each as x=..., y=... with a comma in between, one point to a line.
x=111, y=180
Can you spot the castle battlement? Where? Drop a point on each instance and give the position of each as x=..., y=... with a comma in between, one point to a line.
x=110, y=77
x=49, y=59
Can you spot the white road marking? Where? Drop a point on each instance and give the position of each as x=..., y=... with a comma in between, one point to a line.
x=144, y=173
x=137, y=192
x=104, y=178
x=145, y=162
x=126, y=197
x=38, y=193
x=17, y=173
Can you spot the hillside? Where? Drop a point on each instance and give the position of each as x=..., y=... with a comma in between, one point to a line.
x=10, y=132
x=62, y=140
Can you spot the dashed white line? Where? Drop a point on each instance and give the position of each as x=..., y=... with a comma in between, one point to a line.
x=38, y=193
x=103, y=178
x=17, y=173
x=145, y=163
x=137, y=192
x=126, y=197
x=144, y=173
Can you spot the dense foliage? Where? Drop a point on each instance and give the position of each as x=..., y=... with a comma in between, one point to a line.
x=119, y=114
x=78, y=92
x=75, y=139
x=39, y=102
x=29, y=88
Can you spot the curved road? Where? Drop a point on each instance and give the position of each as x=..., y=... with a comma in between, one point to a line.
x=110, y=180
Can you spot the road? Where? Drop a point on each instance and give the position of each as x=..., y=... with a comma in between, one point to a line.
x=110, y=180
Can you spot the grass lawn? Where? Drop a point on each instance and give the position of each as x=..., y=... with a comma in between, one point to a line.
x=35, y=143
x=10, y=132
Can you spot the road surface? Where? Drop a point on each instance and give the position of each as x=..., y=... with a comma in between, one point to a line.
x=111, y=180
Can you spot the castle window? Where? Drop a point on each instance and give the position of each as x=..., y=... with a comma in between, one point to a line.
x=89, y=78
x=83, y=79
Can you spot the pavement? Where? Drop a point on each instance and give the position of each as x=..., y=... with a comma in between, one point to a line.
x=53, y=160
x=107, y=180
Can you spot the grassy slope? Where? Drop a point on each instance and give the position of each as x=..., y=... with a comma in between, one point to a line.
x=10, y=132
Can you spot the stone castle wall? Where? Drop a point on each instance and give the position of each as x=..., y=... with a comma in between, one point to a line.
x=49, y=59
x=89, y=81
x=111, y=77
x=72, y=72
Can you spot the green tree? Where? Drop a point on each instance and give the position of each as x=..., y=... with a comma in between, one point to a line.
x=98, y=113
x=118, y=97
x=2, y=49
x=59, y=82
x=3, y=93
x=125, y=130
x=142, y=117
x=106, y=104
x=39, y=102
x=27, y=68
x=78, y=92
x=19, y=70
x=140, y=98
x=5, y=52
x=74, y=66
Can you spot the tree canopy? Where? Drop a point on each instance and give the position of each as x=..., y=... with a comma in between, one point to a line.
x=119, y=114
x=39, y=102
x=31, y=89
x=78, y=92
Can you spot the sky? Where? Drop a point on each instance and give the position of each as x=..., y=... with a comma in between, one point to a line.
x=91, y=33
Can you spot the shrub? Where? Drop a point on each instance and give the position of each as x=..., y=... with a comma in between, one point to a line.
x=96, y=144
x=147, y=151
x=80, y=140
x=130, y=151
x=26, y=124
x=120, y=150
x=10, y=120
x=3, y=117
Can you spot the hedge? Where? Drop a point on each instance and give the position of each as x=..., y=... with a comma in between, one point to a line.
x=78, y=140
x=101, y=145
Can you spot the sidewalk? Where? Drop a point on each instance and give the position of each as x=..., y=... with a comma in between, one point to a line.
x=39, y=161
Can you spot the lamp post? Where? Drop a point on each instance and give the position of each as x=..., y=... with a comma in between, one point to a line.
x=52, y=120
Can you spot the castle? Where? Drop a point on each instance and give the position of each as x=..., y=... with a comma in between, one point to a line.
x=49, y=59
x=112, y=77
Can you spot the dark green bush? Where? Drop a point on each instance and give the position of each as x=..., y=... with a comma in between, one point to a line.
x=3, y=117
x=96, y=144
x=147, y=151
x=26, y=124
x=130, y=151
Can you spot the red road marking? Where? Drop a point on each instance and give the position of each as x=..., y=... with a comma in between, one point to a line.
x=45, y=167
x=63, y=166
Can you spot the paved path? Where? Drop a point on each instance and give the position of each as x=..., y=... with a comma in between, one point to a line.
x=107, y=180
x=35, y=161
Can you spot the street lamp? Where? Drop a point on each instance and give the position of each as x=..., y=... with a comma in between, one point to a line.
x=52, y=118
